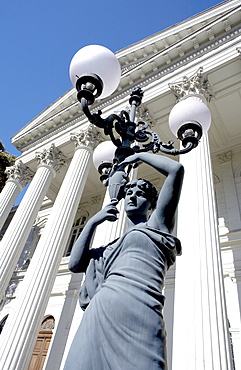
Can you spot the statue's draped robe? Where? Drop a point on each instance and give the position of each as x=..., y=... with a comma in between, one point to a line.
x=122, y=327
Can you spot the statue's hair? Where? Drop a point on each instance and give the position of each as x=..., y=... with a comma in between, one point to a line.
x=149, y=189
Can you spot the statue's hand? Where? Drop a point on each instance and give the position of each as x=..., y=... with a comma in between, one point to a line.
x=109, y=213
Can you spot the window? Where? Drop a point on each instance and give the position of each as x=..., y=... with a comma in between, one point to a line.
x=75, y=232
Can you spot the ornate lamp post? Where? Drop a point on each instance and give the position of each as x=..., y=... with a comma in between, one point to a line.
x=95, y=72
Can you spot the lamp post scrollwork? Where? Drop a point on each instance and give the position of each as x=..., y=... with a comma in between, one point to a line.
x=189, y=118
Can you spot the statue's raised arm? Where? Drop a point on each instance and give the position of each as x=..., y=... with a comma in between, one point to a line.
x=80, y=254
x=164, y=215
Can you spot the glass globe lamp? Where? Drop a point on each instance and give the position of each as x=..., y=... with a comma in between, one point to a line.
x=104, y=153
x=95, y=68
x=103, y=159
x=189, y=118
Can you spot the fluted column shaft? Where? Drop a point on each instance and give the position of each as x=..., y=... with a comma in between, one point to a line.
x=201, y=338
x=53, y=361
x=18, y=177
x=231, y=198
x=23, y=323
x=17, y=233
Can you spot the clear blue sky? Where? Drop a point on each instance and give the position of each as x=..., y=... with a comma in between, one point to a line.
x=39, y=37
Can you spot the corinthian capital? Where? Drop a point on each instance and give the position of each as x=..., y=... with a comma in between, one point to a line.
x=19, y=172
x=89, y=138
x=51, y=157
x=195, y=85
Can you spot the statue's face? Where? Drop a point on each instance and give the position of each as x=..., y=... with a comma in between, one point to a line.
x=136, y=202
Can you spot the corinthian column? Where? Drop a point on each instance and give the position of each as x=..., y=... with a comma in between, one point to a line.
x=18, y=177
x=23, y=323
x=200, y=335
x=17, y=233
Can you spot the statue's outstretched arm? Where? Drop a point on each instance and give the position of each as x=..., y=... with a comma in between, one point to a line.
x=80, y=254
x=164, y=215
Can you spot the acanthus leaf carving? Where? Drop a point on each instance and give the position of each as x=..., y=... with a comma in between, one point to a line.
x=90, y=137
x=51, y=157
x=195, y=85
x=19, y=172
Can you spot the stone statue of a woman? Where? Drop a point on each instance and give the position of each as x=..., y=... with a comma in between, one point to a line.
x=122, y=327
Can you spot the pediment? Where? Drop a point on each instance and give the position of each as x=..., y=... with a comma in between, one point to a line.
x=150, y=59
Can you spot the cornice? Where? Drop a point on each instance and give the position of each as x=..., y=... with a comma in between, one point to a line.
x=56, y=130
x=153, y=45
x=210, y=35
x=49, y=112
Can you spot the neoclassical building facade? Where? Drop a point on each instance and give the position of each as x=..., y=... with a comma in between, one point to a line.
x=39, y=296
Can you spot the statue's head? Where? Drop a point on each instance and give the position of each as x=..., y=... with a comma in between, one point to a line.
x=140, y=195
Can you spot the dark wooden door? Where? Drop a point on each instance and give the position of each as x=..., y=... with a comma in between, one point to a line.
x=42, y=344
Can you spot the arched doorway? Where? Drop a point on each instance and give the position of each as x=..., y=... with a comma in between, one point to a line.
x=42, y=344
